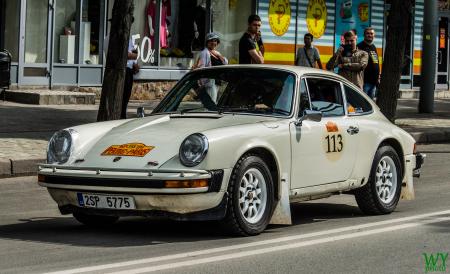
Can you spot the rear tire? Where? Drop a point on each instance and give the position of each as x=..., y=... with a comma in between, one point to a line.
x=251, y=198
x=94, y=220
x=382, y=192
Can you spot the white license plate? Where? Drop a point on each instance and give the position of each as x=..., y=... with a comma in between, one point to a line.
x=105, y=201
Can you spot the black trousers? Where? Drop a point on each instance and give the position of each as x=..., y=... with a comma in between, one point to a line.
x=128, y=85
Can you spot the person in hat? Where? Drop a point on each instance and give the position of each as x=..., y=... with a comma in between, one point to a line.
x=210, y=57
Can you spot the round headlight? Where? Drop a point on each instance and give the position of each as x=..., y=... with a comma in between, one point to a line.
x=193, y=149
x=59, y=147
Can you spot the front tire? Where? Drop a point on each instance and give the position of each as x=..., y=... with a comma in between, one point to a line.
x=250, y=189
x=382, y=192
x=94, y=220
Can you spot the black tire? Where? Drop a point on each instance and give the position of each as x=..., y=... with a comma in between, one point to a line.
x=94, y=220
x=368, y=197
x=235, y=221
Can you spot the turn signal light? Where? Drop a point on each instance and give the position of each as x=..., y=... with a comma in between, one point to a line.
x=41, y=178
x=187, y=183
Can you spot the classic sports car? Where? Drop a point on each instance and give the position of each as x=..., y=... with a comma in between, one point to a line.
x=235, y=144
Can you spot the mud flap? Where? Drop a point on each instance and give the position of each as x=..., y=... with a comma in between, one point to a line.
x=282, y=213
x=407, y=183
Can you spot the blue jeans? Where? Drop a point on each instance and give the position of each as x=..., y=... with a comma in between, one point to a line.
x=370, y=89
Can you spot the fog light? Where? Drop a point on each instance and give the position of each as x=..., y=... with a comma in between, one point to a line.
x=187, y=183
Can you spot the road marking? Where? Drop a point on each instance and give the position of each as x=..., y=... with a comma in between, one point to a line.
x=260, y=243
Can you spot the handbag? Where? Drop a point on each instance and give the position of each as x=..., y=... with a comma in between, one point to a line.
x=307, y=57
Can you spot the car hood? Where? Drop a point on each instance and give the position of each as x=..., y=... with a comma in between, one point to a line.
x=158, y=137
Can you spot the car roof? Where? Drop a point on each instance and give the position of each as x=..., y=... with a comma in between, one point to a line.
x=296, y=69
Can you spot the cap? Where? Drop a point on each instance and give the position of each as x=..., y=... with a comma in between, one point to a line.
x=212, y=36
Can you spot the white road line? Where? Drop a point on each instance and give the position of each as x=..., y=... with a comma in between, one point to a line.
x=246, y=245
x=242, y=254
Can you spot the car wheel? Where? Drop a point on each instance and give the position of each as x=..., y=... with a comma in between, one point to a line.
x=94, y=220
x=382, y=192
x=251, y=199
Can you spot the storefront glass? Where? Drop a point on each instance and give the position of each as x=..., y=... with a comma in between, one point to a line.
x=36, y=31
x=64, y=32
x=12, y=11
x=229, y=20
x=90, y=32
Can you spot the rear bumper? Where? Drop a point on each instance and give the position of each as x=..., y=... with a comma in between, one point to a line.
x=420, y=157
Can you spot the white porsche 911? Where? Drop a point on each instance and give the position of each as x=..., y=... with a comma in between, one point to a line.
x=235, y=144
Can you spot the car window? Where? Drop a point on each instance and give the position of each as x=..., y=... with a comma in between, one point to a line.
x=356, y=103
x=326, y=96
x=304, y=98
x=243, y=90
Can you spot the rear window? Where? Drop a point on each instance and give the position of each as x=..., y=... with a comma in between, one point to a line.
x=356, y=103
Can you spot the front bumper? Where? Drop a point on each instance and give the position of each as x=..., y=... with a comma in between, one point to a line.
x=151, y=196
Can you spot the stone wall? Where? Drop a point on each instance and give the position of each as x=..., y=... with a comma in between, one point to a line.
x=140, y=91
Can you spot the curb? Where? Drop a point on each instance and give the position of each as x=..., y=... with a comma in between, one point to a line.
x=19, y=167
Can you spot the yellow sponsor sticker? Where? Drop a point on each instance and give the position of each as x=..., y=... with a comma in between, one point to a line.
x=130, y=149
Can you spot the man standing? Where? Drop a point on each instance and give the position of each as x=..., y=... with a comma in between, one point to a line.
x=308, y=56
x=132, y=68
x=350, y=60
x=372, y=71
x=251, y=47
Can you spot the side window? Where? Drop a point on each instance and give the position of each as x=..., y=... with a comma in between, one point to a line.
x=304, y=98
x=326, y=96
x=356, y=103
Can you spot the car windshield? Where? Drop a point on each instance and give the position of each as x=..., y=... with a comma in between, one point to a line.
x=237, y=90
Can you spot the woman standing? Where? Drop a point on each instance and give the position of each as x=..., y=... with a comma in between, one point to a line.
x=211, y=57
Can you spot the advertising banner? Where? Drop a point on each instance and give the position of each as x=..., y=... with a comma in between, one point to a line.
x=351, y=15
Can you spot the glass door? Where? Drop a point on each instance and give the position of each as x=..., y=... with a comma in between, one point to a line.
x=35, y=42
x=442, y=54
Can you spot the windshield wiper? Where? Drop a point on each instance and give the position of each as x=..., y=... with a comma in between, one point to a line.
x=192, y=109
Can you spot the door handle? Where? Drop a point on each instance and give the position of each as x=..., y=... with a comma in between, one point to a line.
x=353, y=130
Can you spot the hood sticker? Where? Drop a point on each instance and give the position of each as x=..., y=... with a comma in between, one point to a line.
x=130, y=149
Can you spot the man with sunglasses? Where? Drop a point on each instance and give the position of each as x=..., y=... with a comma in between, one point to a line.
x=251, y=47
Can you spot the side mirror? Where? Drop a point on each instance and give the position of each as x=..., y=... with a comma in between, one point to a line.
x=140, y=112
x=309, y=115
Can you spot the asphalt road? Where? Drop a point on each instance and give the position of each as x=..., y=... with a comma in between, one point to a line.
x=328, y=236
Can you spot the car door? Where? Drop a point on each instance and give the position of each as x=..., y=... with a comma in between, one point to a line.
x=322, y=152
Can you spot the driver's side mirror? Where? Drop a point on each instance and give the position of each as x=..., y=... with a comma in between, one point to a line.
x=309, y=115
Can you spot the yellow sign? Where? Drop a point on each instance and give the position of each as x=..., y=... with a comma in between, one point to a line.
x=316, y=17
x=279, y=16
x=363, y=12
x=131, y=149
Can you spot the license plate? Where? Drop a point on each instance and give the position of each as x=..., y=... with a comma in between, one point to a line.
x=105, y=201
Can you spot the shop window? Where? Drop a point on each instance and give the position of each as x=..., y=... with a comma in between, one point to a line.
x=182, y=31
x=229, y=20
x=36, y=27
x=64, y=32
x=90, y=32
x=11, y=41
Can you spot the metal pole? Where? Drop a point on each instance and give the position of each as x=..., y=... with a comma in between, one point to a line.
x=426, y=99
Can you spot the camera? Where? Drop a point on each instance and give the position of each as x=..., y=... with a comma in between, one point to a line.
x=347, y=50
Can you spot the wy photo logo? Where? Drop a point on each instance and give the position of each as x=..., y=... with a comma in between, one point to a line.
x=435, y=262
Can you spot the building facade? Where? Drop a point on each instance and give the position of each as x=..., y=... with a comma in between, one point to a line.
x=63, y=42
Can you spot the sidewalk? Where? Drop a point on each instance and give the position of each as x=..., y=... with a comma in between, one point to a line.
x=26, y=129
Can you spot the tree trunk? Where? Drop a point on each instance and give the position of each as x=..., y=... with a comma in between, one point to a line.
x=116, y=61
x=398, y=27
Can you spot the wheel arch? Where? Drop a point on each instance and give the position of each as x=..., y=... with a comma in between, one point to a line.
x=269, y=158
x=395, y=144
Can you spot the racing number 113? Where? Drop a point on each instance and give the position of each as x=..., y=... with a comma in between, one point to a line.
x=334, y=143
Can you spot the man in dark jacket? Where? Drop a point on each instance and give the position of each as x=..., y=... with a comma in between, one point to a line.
x=372, y=71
